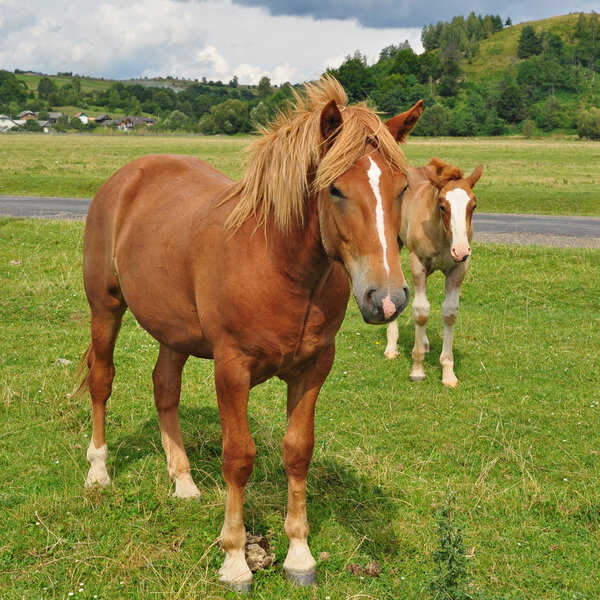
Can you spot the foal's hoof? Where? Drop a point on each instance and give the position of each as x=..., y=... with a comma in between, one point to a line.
x=302, y=578
x=240, y=588
x=185, y=488
x=391, y=355
x=417, y=377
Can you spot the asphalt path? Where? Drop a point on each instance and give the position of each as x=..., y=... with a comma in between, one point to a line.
x=488, y=227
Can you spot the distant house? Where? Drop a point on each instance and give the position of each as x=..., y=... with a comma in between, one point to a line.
x=108, y=123
x=128, y=123
x=54, y=116
x=6, y=123
x=45, y=125
x=102, y=118
x=82, y=117
x=26, y=115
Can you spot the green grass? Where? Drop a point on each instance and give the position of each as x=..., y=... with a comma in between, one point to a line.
x=541, y=176
x=516, y=444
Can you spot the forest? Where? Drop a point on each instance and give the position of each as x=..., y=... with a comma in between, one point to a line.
x=549, y=83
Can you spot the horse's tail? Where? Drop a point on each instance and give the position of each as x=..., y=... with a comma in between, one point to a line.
x=82, y=374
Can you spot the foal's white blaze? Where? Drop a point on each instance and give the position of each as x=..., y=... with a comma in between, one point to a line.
x=374, y=174
x=458, y=200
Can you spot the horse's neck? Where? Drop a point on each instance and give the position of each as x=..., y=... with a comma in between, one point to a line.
x=304, y=259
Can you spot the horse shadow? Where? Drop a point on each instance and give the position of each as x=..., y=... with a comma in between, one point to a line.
x=336, y=490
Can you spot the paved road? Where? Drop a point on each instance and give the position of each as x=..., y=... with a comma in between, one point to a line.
x=500, y=228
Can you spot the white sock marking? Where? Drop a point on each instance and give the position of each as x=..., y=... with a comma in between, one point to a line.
x=374, y=174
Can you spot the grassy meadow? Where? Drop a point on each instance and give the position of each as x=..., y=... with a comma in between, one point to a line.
x=515, y=445
x=537, y=176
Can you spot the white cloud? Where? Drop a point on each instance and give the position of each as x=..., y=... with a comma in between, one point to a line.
x=215, y=39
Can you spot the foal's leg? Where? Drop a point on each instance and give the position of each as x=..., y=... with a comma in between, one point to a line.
x=420, y=313
x=454, y=279
x=232, y=383
x=298, y=443
x=105, y=325
x=391, y=349
x=167, y=389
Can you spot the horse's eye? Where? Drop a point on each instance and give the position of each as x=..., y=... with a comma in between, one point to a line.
x=335, y=192
x=442, y=208
x=474, y=206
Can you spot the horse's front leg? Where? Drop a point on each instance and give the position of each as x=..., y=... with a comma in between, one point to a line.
x=232, y=383
x=298, y=443
x=454, y=279
x=420, y=314
x=391, y=335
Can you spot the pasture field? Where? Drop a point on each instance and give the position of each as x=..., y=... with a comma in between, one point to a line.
x=515, y=445
x=537, y=176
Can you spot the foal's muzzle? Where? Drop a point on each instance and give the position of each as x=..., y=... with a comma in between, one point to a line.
x=379, y=306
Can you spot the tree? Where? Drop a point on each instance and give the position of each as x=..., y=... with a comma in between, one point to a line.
x=511, y=104
x=11, y=89
x=178, y=120
x=530, y=42
x=355, y=76
x=508, y=22
x=451, y=71
x=46, y=87
x=433, y=121
x=228, y=117
x=264, y=87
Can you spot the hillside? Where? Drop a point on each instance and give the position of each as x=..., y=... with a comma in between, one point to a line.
x=499, y=51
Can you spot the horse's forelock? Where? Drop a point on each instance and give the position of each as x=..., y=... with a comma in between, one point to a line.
x=445, y=171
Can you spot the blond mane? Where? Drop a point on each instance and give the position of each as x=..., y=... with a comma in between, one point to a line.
x=445, y=171
x=290, y=154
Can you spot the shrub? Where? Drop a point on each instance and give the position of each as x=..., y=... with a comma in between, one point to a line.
x=588, y=123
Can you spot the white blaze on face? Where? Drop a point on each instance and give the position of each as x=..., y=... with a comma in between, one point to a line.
x=458, y=200
x=374, y=174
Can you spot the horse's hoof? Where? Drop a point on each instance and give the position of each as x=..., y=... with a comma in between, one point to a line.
x=240, y=588
x=302, y=578
x=416, y=378
x=391, y=355
x=451, y=383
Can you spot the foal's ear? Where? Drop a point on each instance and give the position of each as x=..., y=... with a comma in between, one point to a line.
x=473, y=178
x=433, y=176
x=401, y=125
x=331, y=122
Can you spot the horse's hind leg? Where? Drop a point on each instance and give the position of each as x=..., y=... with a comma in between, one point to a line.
x=167, y=389
x=105, y=325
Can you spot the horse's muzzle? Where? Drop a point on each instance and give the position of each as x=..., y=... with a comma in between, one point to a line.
x=382, y=306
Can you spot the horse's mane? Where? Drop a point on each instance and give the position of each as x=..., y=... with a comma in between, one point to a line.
x=290, y=161
x=445, y=171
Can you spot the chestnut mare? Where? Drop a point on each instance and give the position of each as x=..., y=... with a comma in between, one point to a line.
x=436, y=227
x=254, y=275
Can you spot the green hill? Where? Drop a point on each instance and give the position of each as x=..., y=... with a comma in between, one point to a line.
x=499, y=51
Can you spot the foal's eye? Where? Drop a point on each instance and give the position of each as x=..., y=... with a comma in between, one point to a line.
x=442, y=208
x=335, y=192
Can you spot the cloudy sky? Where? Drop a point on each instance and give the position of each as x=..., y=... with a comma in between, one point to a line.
x=288, y=40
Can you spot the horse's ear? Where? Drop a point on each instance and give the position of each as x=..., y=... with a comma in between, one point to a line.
x=473, y=178
x=331, y=122
x=401, y=125
x=433, y=176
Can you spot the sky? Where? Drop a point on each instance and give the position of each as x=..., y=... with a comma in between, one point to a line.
x=286, y=40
